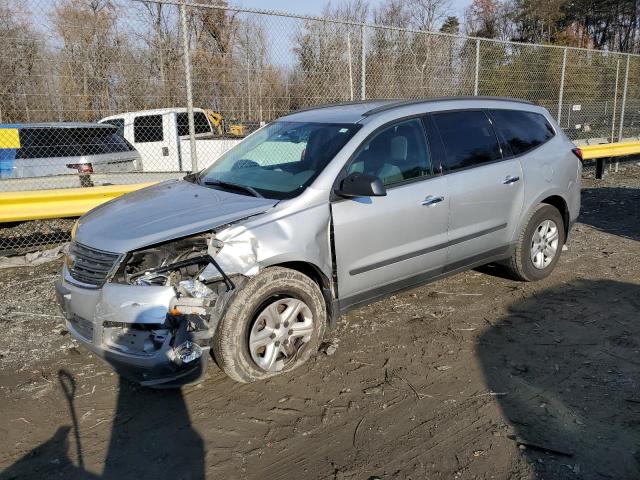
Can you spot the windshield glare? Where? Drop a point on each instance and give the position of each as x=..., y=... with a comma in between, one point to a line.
x=281, y=159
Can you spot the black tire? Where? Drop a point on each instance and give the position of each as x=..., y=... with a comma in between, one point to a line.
x=520, y=266
x=231, y=341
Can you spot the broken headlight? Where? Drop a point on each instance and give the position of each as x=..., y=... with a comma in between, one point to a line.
x=147, y=266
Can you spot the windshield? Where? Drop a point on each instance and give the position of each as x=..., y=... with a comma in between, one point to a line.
x=281, y=159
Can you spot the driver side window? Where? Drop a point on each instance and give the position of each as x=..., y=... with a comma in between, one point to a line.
x=395, y=154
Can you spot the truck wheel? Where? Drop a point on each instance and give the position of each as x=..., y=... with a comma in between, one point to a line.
x=539, y=245
x=271, y=326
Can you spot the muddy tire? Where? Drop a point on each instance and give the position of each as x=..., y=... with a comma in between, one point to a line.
x=264, y=313
x=539, y=246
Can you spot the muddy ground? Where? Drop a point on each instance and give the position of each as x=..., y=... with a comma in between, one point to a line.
x=475, y=376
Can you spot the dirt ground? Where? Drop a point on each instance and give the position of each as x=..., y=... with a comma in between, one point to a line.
x=475, y=376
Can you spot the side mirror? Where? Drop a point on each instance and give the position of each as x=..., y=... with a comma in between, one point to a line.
x=361, y=185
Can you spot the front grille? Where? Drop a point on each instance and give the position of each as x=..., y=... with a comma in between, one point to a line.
x=83, y=326
x=90, y=266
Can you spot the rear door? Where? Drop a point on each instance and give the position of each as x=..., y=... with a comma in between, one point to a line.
x=154, y=136
x=486, y=191
x=383, y=241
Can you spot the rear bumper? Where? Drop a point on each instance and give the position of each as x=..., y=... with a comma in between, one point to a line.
x=91, y=313
x=46, y=167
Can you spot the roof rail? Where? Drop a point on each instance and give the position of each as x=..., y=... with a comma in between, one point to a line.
x=341, y=104
x=403, y=103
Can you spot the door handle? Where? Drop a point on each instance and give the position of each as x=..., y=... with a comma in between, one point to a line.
x=432, y=200
x=510, y=179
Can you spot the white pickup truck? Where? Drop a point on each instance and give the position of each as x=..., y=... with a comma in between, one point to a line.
x=162, y=138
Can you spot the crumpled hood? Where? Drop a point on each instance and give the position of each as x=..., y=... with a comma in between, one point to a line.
x=162, y=212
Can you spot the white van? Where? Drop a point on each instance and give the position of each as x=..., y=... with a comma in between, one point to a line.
x=162, y=138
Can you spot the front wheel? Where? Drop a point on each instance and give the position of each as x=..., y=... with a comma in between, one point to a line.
x=273, y=325
x=538, y=248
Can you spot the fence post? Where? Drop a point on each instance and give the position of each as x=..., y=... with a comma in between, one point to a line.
x=561, y=94
x=624, y=99
x=350, y=67
x=475, y=84
x=187, y=76
x=363, y=66
x=615, y=102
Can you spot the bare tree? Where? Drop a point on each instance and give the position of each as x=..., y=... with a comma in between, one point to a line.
x=428, y=14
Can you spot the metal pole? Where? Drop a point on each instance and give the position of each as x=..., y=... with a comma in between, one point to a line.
x=624, y=99
x=363, y=66
x=564, y=67
x=475, y=85
x=248, y=87
x=615, y=102
x=187, y=75
x=350, y=68
x=624, y=105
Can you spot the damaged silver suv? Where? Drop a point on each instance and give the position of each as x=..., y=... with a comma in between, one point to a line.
x=318, y=212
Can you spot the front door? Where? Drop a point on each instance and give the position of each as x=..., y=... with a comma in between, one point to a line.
x=384, y=243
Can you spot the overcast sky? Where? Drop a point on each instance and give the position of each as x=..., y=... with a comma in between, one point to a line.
x=314, y=7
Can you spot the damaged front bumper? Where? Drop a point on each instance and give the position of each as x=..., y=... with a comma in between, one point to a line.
x=137, y=331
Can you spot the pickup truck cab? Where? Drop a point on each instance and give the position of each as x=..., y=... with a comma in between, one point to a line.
x=162, y=138
x=319, y=212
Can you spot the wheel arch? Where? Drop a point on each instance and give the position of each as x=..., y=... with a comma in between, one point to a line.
x=316, y=274
x=561, y=205
x=553, y=198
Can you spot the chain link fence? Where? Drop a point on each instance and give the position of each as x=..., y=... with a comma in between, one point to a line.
x=98, y=92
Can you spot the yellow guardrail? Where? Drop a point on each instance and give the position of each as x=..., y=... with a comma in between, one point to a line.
x=59, y=203
x=606, y=150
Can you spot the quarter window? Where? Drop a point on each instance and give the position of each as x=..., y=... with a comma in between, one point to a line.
x=200, y=123
x=395, y=154
x=147, y=129
x=468, y=137
x=521, y=131
x=117, y=122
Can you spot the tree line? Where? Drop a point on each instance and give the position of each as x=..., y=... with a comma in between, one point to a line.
x=85, y=59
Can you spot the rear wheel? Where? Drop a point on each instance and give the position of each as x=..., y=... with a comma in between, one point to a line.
x=273, y=325
x=539, y=245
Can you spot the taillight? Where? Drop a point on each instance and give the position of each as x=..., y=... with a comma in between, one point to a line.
x=81, y=167
x=578, y=153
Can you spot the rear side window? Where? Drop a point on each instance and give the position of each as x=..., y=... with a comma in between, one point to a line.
x=520, y=131
x=70, y=142
x=200, y=123
x=147, y=129
x=116, y=122
x=468, y=137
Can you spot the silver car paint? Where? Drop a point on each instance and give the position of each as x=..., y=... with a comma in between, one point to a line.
x=266, y=232
x=483, y=209
x=376, y=238
x=169, y=210
x=103, y=163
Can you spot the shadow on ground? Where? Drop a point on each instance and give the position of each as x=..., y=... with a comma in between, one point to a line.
x=612, y=210
x=151, y=437
x=554, y=362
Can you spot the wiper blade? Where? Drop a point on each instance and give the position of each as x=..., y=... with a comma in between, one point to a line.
x=193, y=177
x=233, y=186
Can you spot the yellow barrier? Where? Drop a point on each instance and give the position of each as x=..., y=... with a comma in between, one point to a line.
x=606, y=150
x=60, y=203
